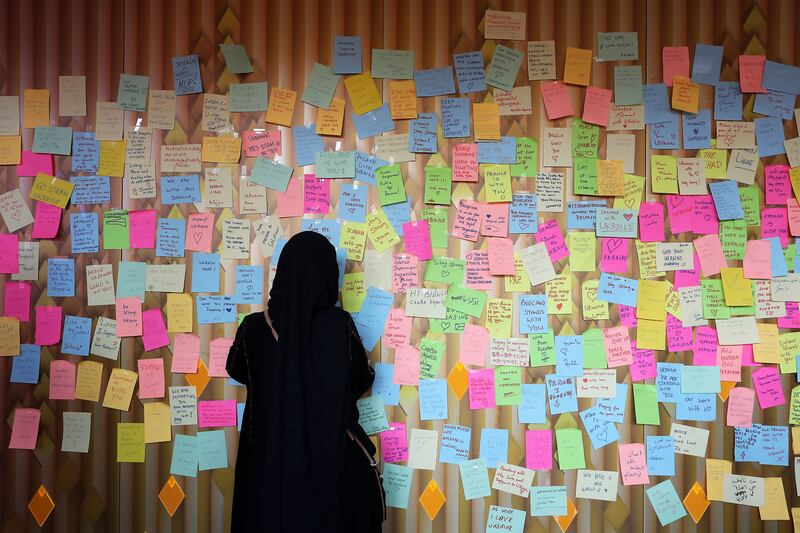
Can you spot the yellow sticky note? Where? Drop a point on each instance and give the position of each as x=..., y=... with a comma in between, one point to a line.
x=685, y=94
x=120, y=389
x=593, y=308
x=634, y=190
x=650, y=334
x=157, y=420
x=559, y=294
x=403, y=99
x=486, y=117
x=87, y=381
x=796, y=440
x=519, y=282
x=354, y=290
x=329, y=121
x=354, y=239
x=221, y=149
x=281, y=106
x=610, y=177
x=9, y=335
x=664, y=174
x=578, y=66
x=36, y=108
x=51, y=190
x=180, y=310
x=767, y=351
x=716, y=470
x=774, y=507
x=380, y=231
x=497, y=183
x=112, y=158
x=498, y=317
x=650, y=300
x=363, y=93
x=646, y=254
x=582, y=251
x=130, y=442
x=10, y=150
x=736, y=288
x=715, y=162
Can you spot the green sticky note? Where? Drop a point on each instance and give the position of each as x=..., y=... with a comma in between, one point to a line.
x=713, y=299
x=392, y=64
x=132, y=92
x=733, y=236
x=445, y=270
x=497, y=183
x=594, y=349
x=438, y=222
x=585, y=139
x=453, y=322
x=335, y=165
x=788, y=254
x=430, y=357
x=628, y=85
x=503, y=68
x=271, y=174
x=372, y=415
x=438, y=182
x=397, y=485
x=116, y=230
x=507, y=385
x=236, y=58
x=130, y=442
x=645, y=404
x=749, y=197
x=474, y=479
x=527, y=157
x=56, y=140
x=569, y=442
x=665, y=502
x=584, y=170
x=248, y=97
x=320, y=87
x=389, y=181
x=542, y=348
x=466, y=300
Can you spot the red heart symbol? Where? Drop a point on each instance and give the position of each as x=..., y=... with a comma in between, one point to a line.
x=559, y=306
x=628, y=216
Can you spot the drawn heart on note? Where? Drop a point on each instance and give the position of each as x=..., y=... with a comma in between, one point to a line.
x=628, y=216
x=446, y=324
x=559, y=306
x=445, y=273
x=630, y=201
x=249, y=288
x=613, y=244
x=197, y=236
x=352, y=210
x=707, y=217
x=228, y=309
x=564, y=351
x=591, y=294
x=586, y=380
x=524, y=225
x=15, y=215
x=675, y=201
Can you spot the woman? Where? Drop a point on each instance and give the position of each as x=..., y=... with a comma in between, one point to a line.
x=304, y=366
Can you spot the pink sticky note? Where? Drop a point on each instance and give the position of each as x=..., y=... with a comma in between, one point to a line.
x=394, y=446
x=62, y=380
x=405, y=272
x=705, y=347
x=25, y=430
x=262, y=143
x=474, y=345
x=539, y=449
x=596, y=106
x=397, y=331
x=316, y=195
x=679, y=338
x=468, y=221
x=216, y=413
x=627, y=316
x=777, y=186
x=477, y=274
x=632, y=464
x=617, y=342
x=740, y=407
x=757, y=260
x=154, y=331
x=48, y=325
x=651, y=222
x=709, y=252
x=17, y=300
x=550, y=234
x=185, y=354
x=501, y=256
x=418, y=239
x=793, y=214
x=481, y=389
x=465, y=162
x=556, y=100
x=199, y=230
x=129, y=317
x=406, y=365
x=769, y=390
x=151, y=378
x=688, y=278
x=290, y=202
x=680, y=210
x=9, y=253
x=747, y=356
x=143, y=228
x=30, y=164
x=775, y=223
x=674, y=62
x=614, y=255
x=790, y=321
x=751, y=70
x=494, y=219
x=644, y=364
x=46, y=220
x=217, y=357
x=729, y=361
x=704, y=215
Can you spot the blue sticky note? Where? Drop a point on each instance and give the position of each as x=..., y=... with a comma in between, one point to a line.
x=455, y=117
x=434, y=82
x=707, y=63
x=505, y=519
x=660, y=455
x=531, y=410
x=600, y=429
x=775, y=104
x=432, y=399
x=170, y=237
x=569, y=354
x=83, y=229
x=366, y=165
x=700, y=379
x=656, y=103
x=697, y=130
x=774, y=446
x=618, y=289
x=352, y=202
x=271, y=174
x=769, y=136
x=185, y=456
x=90, y=190
x=216, y=310
x=25, y=366
x=85, y=151
x=699, y=407
x=373, y=122
x=76, y=336
x=727, y=201
x=781, y=77
x=454, y=448
x=613, y=409
x=384, y=385
x=306, y=144
x=561, y=394
x=330, y=229
x=523, y=213
x=616, y=223
x=422, y=134
x=249, y=283
x=55, y=140
x=746, y=442
x=502, y=152
x=728, y=101
x=494, y=446
x=668, y=382
x=398, y=214
x=180, y=189
x=186, y=74
x=474, y=478
x=533, y=314
x=665, y=135
x=470, y=73
x=548, y=501
x=397, y=485
x=777, y=259
x=213, y=450
x=371, y=319
x=347, y=54
x=131, y=279
x=582, y=214
x=240, y=415
x=60, y=277
x=666, y=502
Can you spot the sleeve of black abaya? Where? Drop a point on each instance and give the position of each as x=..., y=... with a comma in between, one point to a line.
x=236, y=365
x=362, y=374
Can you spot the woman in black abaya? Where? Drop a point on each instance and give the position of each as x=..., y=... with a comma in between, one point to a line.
x=298, y=469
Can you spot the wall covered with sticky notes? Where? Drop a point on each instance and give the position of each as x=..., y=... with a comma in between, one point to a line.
x=566, y=233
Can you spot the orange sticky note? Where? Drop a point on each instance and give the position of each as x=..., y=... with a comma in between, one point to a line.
x=36, y=108
x=363, y=93
x=432, y=499
x=10, y=150
x=112, y=158
x=281, y=106
x=403, y=99
x=610, y=177
x=578, y=66
x=171, y=495
x=685, y=94
x=41, y=505
x=696, y=502
x=458, y=380
x=565, y=521
x=221, y=149
x=329, y=121
x=486, y=117
x=199, y=379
